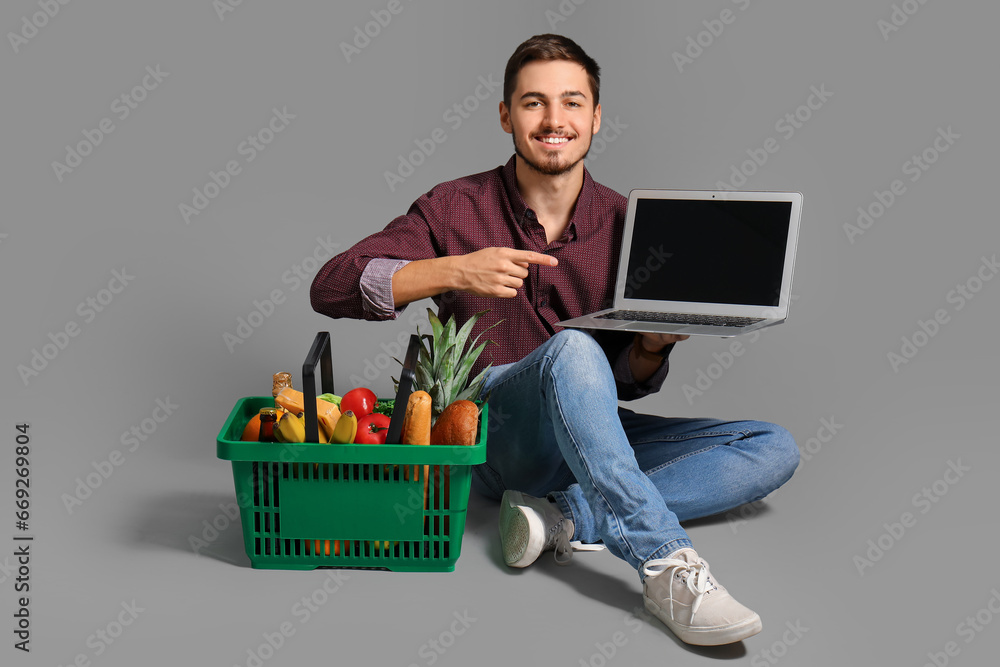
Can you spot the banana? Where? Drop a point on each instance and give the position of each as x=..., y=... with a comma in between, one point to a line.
x=345, y=430
x=291, y=428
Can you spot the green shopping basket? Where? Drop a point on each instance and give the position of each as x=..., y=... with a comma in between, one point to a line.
x=308, y=505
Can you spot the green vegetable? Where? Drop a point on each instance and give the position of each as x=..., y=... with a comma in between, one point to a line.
x=384, y=407
x=330, y=398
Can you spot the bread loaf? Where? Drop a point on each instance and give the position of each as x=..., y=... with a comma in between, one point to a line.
x=417, y=421
x=457, y=425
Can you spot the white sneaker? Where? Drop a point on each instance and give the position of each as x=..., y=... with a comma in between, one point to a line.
x=529, y=526
x=679, y=591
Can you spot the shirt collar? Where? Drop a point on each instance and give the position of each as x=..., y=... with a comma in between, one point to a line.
x=520, y=209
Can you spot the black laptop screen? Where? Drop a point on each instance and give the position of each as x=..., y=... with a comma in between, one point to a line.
x=728, y=252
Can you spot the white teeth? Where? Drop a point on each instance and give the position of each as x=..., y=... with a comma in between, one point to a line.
x=555, y=140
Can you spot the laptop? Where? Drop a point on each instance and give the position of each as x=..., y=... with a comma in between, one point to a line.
x=703, y=263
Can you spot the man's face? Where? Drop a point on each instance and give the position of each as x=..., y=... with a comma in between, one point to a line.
x=552, y=116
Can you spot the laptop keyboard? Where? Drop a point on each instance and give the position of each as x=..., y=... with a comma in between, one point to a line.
x=681, y=318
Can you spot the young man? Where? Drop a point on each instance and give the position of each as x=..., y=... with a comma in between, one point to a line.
x=534, y=242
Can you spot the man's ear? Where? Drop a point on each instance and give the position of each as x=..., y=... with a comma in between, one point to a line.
x=505, y=119
x=597, y=119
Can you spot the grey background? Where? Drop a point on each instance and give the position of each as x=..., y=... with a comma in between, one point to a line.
x=791, y=558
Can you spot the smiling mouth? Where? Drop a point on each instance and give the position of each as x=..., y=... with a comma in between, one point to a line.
x=553, y=141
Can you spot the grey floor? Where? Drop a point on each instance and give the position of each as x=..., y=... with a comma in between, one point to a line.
x=876, y=553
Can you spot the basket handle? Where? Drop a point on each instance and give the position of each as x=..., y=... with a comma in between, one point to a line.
x=407, y=378
x=319, y=353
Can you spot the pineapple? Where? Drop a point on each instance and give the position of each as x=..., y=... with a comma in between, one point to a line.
x=443, y=365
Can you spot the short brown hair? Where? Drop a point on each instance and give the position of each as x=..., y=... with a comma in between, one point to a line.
x=549, y=47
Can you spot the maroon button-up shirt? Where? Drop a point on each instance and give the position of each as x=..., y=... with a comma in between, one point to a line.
x=487, y=210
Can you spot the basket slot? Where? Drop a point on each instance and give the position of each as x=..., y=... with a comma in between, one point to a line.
x=274, y=476
x=256, y=491
x=264, y=491
x=447, y=487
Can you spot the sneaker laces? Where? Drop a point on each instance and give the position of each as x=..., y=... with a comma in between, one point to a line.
x=564, y=547
x=694, y=575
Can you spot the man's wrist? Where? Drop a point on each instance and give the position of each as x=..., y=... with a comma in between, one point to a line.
x=450, y=273
x=644, y=353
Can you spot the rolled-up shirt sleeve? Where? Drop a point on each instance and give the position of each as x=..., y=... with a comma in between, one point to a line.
x=376, y=287
x=348, y=285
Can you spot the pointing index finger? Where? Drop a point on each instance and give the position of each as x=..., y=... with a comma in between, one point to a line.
x=530, y=257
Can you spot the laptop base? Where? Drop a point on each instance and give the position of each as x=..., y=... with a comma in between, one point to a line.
x=594, y=322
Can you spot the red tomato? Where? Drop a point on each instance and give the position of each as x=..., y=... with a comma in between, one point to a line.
x=360, y=401
x=372, y=429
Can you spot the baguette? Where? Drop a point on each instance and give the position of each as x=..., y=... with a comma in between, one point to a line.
x=417, y=431
x=417, y=422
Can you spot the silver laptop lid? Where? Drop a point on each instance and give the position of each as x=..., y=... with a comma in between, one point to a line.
x=709, y=252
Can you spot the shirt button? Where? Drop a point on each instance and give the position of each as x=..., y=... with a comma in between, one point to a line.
x=545, y=302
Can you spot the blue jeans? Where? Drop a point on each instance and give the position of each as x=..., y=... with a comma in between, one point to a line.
x=625, y=479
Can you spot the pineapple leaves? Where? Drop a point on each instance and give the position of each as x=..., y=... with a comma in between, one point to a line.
x=435, y=324
x=446, y=359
